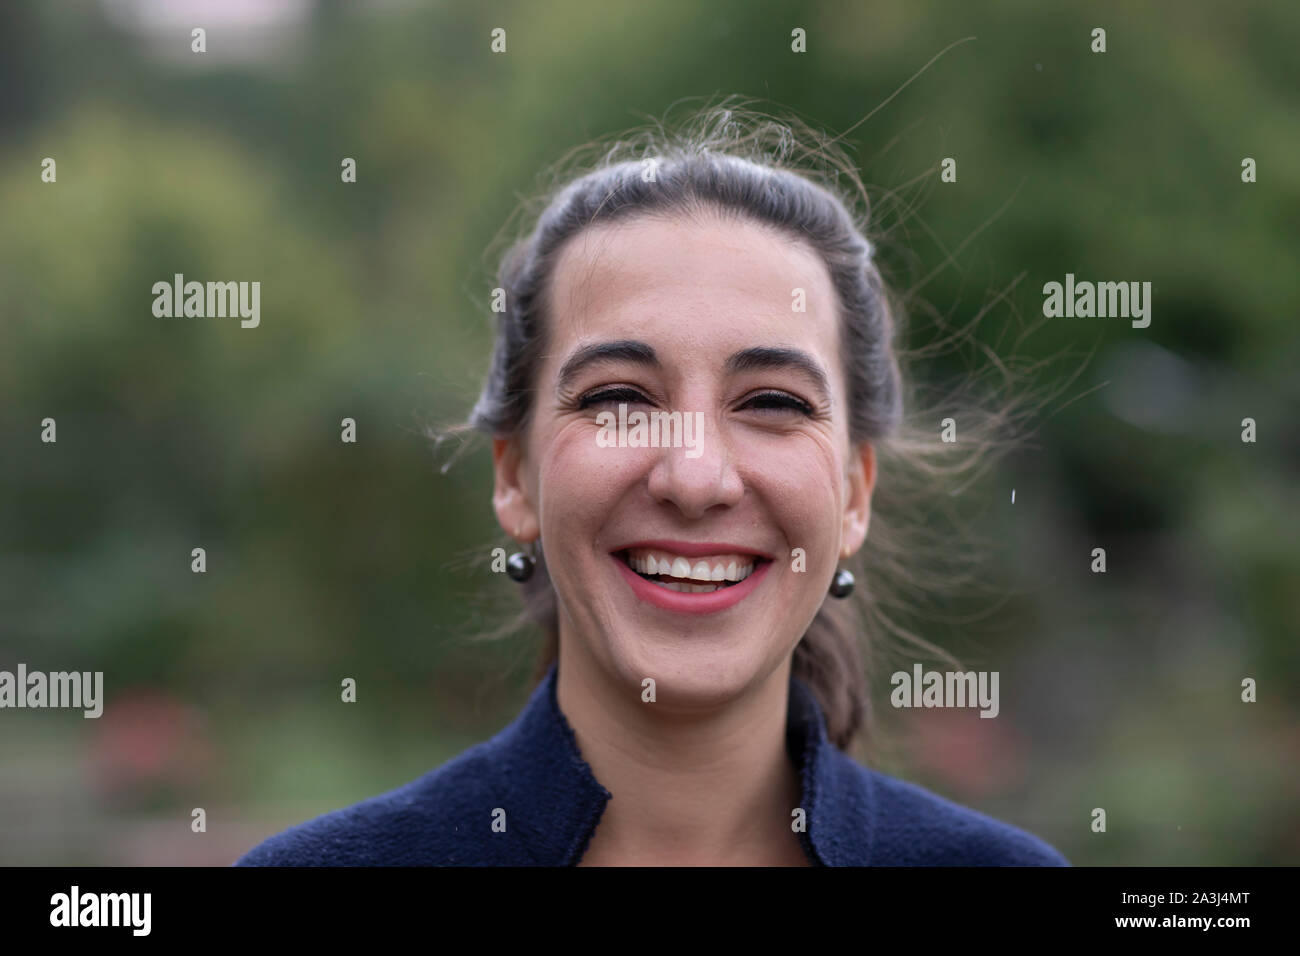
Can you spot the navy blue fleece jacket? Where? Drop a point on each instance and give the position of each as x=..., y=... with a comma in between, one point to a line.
x=534, y=772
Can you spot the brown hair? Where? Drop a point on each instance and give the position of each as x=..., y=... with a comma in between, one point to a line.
x=734, y=158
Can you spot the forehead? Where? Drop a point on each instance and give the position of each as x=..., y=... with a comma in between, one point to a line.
x=698, y=276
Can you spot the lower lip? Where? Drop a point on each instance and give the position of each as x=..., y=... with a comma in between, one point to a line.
x=688, y=602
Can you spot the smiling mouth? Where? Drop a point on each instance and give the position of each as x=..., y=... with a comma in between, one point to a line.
x=702, y=575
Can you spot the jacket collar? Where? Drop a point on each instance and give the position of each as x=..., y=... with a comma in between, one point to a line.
x=543, y=770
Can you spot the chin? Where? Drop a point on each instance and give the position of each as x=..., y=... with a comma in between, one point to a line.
x=692, y=671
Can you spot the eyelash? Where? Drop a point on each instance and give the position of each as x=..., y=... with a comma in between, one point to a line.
x=777, y=400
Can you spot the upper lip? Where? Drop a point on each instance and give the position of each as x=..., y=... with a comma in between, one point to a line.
x=693, y=549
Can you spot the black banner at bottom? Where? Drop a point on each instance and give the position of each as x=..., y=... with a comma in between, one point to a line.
x=927, y=905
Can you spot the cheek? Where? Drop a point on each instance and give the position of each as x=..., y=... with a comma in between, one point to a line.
x=578, y=480
x=802, y=483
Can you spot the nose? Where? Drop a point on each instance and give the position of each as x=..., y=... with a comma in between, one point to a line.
x=697, y=484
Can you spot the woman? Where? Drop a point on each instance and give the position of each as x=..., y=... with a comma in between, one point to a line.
x=692, y=372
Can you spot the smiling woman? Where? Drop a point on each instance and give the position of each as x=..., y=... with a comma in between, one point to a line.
x=701, y=680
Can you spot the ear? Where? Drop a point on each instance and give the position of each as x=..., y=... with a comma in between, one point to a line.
x=510, y=498
x=857, y=506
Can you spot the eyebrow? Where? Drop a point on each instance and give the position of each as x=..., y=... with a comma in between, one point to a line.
x=763, y=357
x=758, y=358
x=624, y=350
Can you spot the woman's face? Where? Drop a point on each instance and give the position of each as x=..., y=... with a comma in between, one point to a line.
x=698, y=318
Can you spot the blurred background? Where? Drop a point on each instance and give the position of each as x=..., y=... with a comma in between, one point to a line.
x=329, y=560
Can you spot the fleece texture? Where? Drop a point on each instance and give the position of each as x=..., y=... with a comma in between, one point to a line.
x=533, y=771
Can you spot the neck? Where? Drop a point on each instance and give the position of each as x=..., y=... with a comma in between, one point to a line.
x=701, y=786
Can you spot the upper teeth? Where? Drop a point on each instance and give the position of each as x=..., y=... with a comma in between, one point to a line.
x=721, y=567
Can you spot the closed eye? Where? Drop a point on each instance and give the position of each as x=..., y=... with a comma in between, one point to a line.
x=767, y=402
x=778, y=401
x=607, y=395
